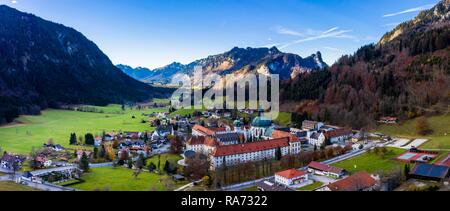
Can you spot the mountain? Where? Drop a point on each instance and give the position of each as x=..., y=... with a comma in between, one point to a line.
x=44, y=64
x=267, y=60
x=406, y=74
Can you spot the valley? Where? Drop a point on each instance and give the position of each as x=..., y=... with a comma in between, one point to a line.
x=33, y=131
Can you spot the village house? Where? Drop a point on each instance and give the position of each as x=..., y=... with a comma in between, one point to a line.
x=388, y=120
x=339, y=135
x=43, y=162
x=361, y=181
x=54, y=147
x=317, y=139
x=11, y=162
x=98, y=141
x=325, y=170
x=291, y=177
x=162, y=132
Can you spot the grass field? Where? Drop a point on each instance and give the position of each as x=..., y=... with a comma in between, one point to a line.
x=371, y=162
x=171, y=157
x=121, y=179
x=12, y=186
x=58, y=124
x=311, y=187
x=284, y=119
x=439, y=139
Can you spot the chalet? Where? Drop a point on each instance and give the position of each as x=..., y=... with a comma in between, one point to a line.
x=325, y=170
x=54, y=147
x=388, y=120
x=430, y=172
x=162, y=132
x=11, y=162
x=361, y=181
x=291, y=177
x=43, y=162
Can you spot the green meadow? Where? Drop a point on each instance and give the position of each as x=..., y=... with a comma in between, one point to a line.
x=12, y=186
x=439, y=139
x=371, y=162
x=33, y=131
x=122, y=179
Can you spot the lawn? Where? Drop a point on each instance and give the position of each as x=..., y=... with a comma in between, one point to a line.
x=284, y=119
x=311, y=187
x=121, y=179
x=173, y=159
x=33, y=131
x=12, y=186
x=371, y=162
x=439, y=139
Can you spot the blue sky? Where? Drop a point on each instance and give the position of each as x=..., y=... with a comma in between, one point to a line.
x=153, y=33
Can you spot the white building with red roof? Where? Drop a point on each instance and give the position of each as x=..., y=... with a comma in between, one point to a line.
x=325, y=170
x=291, y=177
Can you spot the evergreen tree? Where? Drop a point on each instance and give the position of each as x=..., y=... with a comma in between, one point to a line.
x=89, y=139
x=84, y=163
x=73, y=139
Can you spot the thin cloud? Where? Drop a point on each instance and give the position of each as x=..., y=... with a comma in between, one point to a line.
x=317, y=35
x=330, y=30
x=286, y=31
x=334, y=49
x=415, y=9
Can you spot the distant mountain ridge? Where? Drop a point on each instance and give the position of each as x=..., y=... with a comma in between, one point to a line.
x=44, y=64
x=243, y=60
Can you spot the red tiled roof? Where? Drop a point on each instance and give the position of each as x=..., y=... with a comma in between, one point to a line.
x=202, y=140
x=338, y=133
x=326, y=168
x=250, y=147
x=445, y=161
x=291, y=173
x=283, y=134
x=356, y=182
x=208, y=131
x=388, y=119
